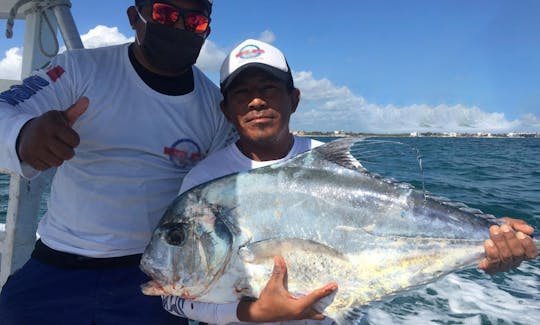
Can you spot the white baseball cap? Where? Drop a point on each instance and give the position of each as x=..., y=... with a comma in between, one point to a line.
x=252, y=53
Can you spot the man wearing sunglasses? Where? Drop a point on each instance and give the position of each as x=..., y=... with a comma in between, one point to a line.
x=123, y=124
x=168, y=37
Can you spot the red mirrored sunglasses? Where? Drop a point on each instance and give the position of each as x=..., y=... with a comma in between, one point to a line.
x=167, y=14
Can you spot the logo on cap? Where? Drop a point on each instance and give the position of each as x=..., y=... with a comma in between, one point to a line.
x=249, y=51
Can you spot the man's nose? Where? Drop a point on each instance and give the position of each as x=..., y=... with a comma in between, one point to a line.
x=257, y=102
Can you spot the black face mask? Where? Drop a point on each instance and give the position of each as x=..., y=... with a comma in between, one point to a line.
x=171, y=49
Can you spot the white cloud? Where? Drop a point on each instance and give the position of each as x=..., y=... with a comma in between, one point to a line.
x=325, y=106
x=100, y=36
x=10, y=65
x=267, y=36
x=210, y=57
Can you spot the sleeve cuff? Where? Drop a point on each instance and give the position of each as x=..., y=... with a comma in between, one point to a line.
x=227, y=313
x=13, y=162
x=29, y=172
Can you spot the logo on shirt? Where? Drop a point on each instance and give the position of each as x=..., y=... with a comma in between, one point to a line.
x=249, y=51
x=184, y=153
x=30, y=86
x=55, y=73
x=17, y=94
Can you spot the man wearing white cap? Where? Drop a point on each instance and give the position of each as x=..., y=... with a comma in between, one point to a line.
x=258, y=99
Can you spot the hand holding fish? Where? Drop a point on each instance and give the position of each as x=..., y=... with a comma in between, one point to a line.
x=508, y=246
x=48, y=140
x=277, y=304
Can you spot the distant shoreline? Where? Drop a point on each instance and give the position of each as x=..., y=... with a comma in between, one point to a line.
x=417, y=135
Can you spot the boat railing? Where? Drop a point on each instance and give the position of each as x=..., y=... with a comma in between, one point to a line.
x=19, y=234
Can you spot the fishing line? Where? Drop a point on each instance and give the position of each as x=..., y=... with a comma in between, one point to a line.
x=365, y=155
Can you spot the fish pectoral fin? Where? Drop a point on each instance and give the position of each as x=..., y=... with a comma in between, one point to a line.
x=324, y=302
x=265, y=249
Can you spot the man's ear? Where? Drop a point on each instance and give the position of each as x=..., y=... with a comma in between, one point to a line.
x=224, y=110
x=133, y=16
x=208, y=32
x=295, y=99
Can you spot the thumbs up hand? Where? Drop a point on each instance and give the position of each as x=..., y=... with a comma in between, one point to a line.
x=48, y=140
x=76, y=110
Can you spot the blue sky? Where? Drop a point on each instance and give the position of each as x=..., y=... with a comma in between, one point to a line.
x=372, y=65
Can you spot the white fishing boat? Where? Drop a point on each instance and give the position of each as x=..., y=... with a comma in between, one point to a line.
x=42, y=21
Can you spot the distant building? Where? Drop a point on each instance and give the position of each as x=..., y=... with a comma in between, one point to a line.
x=483, y=135
x=450, y=134
x=522, y=135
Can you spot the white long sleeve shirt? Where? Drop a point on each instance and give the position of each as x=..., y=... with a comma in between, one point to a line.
x=136, y=147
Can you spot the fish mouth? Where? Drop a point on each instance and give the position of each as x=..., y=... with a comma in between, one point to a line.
x=154, y=288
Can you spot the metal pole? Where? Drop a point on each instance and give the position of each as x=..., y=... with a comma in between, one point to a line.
x=67, y=26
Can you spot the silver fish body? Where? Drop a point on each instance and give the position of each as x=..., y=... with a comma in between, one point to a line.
x=330, y=219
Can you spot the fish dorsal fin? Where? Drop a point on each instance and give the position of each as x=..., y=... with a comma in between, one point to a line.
x=337, y=152
x=364, y=155
x=359, y=154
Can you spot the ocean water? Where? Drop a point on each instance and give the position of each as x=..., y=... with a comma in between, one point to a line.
x=4, y=194
x=500, y=176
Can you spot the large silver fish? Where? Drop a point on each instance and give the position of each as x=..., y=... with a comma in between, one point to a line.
x=330, y=219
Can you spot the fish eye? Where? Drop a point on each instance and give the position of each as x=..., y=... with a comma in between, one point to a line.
x=176, y=235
